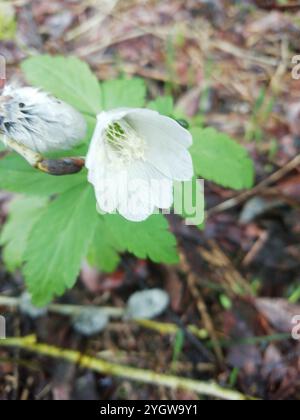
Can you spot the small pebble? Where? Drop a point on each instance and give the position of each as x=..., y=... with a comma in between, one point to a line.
x=90, y=321
x=147, y=304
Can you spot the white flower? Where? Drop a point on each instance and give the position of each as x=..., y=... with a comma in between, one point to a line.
x=134, y=157
x=39, y=121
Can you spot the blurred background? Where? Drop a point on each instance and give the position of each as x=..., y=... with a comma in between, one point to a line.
x=228, y=64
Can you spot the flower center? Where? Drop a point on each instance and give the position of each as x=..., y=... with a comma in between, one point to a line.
x=125, y=141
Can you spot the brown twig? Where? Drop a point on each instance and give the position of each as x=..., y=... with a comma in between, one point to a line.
x=232, y=281
x=272, y=179
x=256, y=248
x=201, y=306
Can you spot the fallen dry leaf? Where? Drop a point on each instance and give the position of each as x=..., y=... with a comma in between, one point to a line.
x=279, y=312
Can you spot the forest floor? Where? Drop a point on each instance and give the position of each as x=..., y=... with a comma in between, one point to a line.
x=229, y=62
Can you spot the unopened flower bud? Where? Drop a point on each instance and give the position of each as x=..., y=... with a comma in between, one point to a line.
x=39, y=121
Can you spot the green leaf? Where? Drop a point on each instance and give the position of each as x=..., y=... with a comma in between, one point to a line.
x=17, y=175
x=163, y=104
x=220, y=159
x=58, y=243
x=149, y=239
x=68, y=78
x=103, y=252
x=24, y=212
x=123, y=93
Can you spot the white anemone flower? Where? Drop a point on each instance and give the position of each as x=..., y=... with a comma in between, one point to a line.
x=134, y=157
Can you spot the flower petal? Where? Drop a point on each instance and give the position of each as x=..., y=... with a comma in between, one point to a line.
x=167, y=144
x=105, y=183
x=174, y=162
x=146, y=191
x=167, y=126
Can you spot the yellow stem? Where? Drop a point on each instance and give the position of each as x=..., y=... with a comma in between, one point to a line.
x=140, y=375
